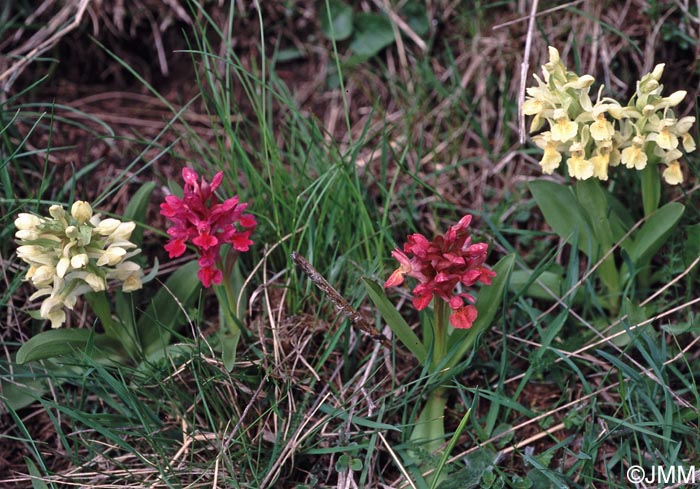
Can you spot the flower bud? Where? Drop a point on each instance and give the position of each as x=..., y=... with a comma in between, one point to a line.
x=79, y=261
x=27, y=234
x=658, y=71
x=111, y=256
x=72, y=232
x=132, y=283
x=57, y=212
x=57, y=318
x=62, y=266
x=95, y=282
x=675, y=98
x=43, y=275
x=123, y=231
x=52, y=309
x=107, y=226
x=673, y=174
x=27, y=222
x=582, y=82
x=671, y=155
x=28, y=252
x=688, y=142
x=81, y=211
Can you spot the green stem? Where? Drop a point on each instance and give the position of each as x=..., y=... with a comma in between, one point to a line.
x=651, y=189
x=228, y=315
x=429, y=432
x=610, y=276
x=227, y=300
x=116, y=330
x=441, y=313
x=651, y=195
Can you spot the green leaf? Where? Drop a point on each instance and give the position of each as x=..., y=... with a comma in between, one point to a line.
x=56, y=342
x=344, y=415
x=165, y=313
x=692, y=245
x=563, y=213
x=336, y=20
x=21, y=385
x=508, y=434
x=436, y=477
x=229, y=342
x=654, y=233
x=476, y=465
x=291, y=54
x=592, y=198
x=680, y=328
x=635, y=315
x=550, y=332
x=113, y=328
x=651, y=189
x=343, y=463
x=620, y=218
x=393, y=319
x=137, y=208
x=488, y=303
x=518, y=482
x=373, y=32
x=36, y=476
x=416, y=16
x=534, y=285
x=165, y=357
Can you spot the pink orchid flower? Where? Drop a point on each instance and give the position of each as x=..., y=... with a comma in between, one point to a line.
x=440, y=266
x=201, y=219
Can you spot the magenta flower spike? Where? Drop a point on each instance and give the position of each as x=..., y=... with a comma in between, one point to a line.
x=201, y=219
x=440, y=266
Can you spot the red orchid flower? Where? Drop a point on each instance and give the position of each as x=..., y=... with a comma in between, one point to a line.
x=201, y=219
x=440, y=266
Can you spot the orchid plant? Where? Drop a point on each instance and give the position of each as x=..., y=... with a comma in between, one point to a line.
x=643, y=135
x=199, y=218
x=445, y=269
x=72, y=255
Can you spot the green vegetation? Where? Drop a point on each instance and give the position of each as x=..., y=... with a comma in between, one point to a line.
x=346, y=126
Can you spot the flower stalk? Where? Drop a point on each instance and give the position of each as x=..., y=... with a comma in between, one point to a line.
x=429, y=431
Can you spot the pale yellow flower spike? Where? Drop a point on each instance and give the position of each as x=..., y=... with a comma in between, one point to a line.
x=72, y=254
x=593, y=137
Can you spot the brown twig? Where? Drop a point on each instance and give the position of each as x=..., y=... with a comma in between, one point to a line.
x=524, y=67
x=341, y=305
